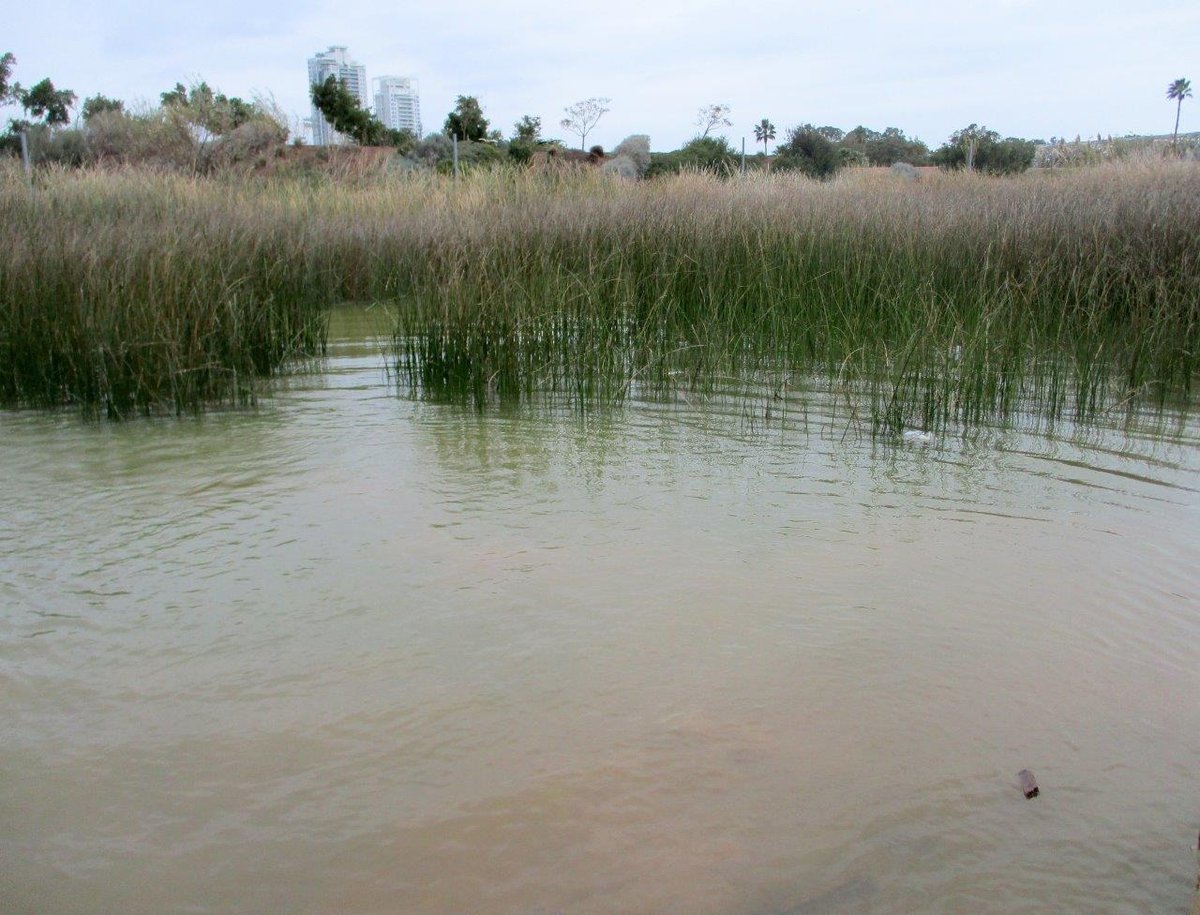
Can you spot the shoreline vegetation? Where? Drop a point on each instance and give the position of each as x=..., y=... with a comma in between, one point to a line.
x=943, y=301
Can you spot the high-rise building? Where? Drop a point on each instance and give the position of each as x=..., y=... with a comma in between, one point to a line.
x=398, y=103
x=335, y=62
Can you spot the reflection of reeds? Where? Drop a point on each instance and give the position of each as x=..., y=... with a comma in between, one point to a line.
x=943, y=300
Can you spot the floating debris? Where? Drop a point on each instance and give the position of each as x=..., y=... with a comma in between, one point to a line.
x=1029, y=785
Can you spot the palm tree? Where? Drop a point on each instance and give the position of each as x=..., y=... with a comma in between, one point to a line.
x=1178, y=90
x=764, y=132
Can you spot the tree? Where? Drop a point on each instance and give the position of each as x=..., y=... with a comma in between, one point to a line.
x=206, y=108
x=176, y=96
x=42, y=100
x=583, y=116
x=7, y=62
x=976, y=147
x=100, y=104
x=527, y=133
x=528, y=129
x=893, y=146
x=707, y=154
x=341, y=108
x=763, y=132
x=466, y=121
x=808, y=151
x=1178, y=91
x=711, y=116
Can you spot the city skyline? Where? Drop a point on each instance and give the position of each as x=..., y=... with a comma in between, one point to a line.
x=1023, y=68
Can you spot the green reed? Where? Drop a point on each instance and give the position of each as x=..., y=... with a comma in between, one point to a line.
x=948, y=300
x=138, y=293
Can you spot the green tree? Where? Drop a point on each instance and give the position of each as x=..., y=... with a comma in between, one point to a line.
x=860, y=136
x=893, y=146
x=7, y=62
x=764, y=131
x=42, y=100
x=707, y=154
x=982, y=149
x=176, y=96
x=527, y=133
x=341, y=108
x=808, y=151
x=466, y=121
x=100, y=104
x=204, y=107
x=583, y=116
x=528, y=129
x=1177, y=92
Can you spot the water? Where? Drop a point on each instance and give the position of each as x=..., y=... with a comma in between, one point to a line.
x=355, y=653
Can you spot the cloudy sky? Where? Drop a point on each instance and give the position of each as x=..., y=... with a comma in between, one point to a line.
x=1032, y=68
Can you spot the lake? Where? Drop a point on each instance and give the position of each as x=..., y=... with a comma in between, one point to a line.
x=356, y=652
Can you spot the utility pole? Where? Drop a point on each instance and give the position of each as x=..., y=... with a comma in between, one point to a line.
x=25, y=157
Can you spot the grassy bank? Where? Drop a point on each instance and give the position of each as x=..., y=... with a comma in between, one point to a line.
x=942, y=300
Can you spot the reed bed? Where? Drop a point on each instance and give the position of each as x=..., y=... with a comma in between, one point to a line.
x=951, y=299
x=139, y=293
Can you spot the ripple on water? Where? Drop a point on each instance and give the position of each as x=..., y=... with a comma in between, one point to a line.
x=352, y=648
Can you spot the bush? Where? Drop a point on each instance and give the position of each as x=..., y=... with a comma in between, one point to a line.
x=992, y=155
x=249, y=141
x=66, y=147
x=809, y=152
x=636, y=149
x=853, y=158
x=435, y=148
x=620, y=165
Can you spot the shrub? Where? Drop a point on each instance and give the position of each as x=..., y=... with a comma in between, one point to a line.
x=636, y=149
x=809, y=152
x=852, y=158
x=992, y=155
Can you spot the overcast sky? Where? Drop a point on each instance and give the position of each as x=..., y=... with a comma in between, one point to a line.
x=1031, y=68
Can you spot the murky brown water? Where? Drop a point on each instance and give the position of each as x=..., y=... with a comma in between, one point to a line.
x=354, y=654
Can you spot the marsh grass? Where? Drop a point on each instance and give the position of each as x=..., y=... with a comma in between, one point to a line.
x=950, y=300
x=139, y=293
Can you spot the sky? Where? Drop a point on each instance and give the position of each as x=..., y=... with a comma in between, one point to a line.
x=1028, y=68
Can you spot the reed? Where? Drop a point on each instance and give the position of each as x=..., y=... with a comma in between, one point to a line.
x=950, y=300
x=946, y=300
x=138, y=293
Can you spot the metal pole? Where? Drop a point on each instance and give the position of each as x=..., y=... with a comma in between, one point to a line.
x=455, y=138
x=25, y=156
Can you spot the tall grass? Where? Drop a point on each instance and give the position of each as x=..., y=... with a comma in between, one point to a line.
x=138, y=292
x=948, y=300
x=945, y=300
